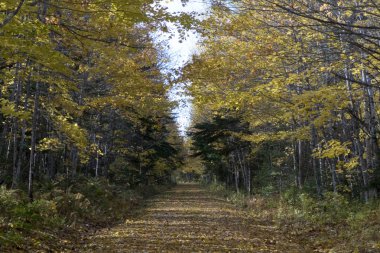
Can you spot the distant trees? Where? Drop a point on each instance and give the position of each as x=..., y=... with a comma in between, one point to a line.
x=304, y=76
x=225, y=155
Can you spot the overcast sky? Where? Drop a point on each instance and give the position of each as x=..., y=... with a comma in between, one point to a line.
x=180, y=53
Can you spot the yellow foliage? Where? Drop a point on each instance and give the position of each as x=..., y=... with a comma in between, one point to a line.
x=333, y=149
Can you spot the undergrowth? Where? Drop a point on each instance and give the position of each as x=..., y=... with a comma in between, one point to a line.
x=61, y=211
x=333, y=223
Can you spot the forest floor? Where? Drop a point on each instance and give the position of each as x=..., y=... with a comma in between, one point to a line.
x=187, y=218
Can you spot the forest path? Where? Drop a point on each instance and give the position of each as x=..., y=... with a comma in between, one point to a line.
x=188, y=219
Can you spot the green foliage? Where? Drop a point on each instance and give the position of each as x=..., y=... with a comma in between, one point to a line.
x=91, y=200
x=38, y=214
x=332, y=223
x=332, y=209
x=20, y=214
x=87, y=202
x=96, y=200
x=9, y=200
x=19, y=218
x=239, y=199
x=342, y=224
x=217, y=188
x=119, y=171
x=217, y=142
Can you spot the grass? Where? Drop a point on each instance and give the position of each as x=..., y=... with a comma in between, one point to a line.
x=61, y=215
x=331, y=224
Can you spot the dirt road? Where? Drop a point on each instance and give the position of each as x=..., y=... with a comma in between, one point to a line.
x=188, y=219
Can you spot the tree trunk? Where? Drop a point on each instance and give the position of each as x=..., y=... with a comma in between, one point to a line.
x=16, y=96
x=317, y=177
x=33, y=145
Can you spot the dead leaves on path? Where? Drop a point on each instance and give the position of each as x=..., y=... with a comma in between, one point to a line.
x=188, y=219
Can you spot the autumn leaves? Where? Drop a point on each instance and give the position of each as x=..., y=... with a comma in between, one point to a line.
x=304, y=76
x=83, y=79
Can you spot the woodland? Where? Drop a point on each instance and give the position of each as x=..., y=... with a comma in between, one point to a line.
x=285, y=101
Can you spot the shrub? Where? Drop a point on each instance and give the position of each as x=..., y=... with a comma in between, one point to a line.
x=9, y=200
x=73, y=206
x=291, y=196
x=83, y=202
x=332, y=209
x=18, y=217
x=218, y=188
x=38, y=214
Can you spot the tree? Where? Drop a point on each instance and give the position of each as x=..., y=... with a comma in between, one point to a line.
x=81, y=90
x=304, y=77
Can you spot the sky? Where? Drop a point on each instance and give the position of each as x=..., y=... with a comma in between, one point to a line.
x=179, y=53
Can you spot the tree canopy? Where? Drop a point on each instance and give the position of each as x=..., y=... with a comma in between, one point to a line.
x=304, y=76
x=82, y=92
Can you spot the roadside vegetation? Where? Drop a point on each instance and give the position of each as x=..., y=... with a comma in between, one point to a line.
x=61, y=218
x=333, y=223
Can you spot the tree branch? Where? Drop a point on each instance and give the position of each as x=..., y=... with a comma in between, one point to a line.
x=12, y=14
